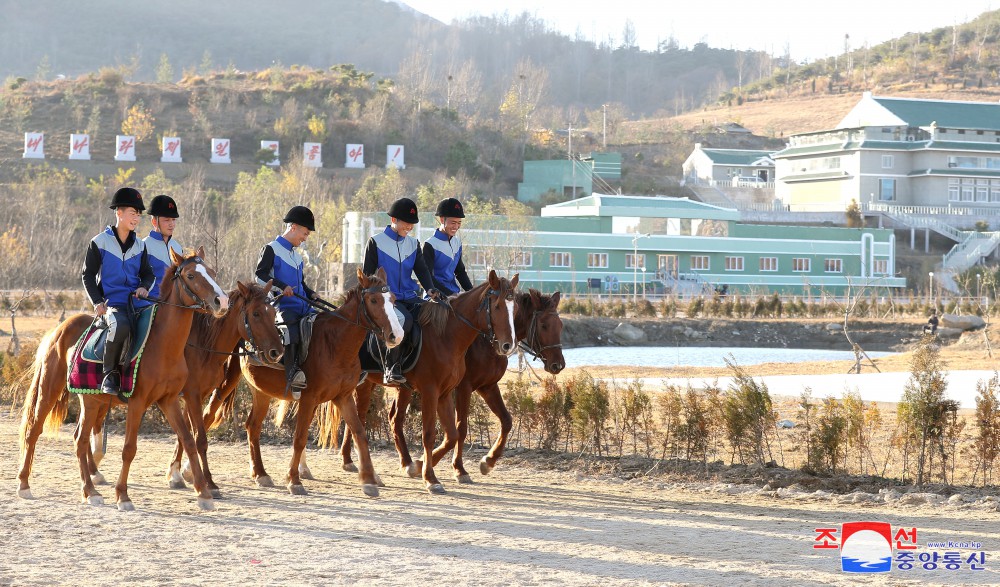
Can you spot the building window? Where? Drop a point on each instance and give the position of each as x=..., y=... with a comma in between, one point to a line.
x=597, y=260
x=968, y=190
x=963, y=162
x=887, y=190
x=881, y=267
x=833, y=265
x=887, y=161
x=734, y=263
x=521, y=259
x=954, y=189
x=559, y=259
x=700, y=263
x=801, y=264
x=478, y=259
x=994, y=191
x=768, y=263
x=635, y=261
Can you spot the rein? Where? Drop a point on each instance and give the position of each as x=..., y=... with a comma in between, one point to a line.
x=489, y=334
x=200, y=305
x=241, y=350
x=531, y=344
x=325, y=307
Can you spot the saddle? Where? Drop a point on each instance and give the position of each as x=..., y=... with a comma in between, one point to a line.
x=371, y=352
x=86, y=367
x=306, y=324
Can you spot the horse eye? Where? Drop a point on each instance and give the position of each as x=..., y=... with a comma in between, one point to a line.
x=256, y=314
x=190, y=275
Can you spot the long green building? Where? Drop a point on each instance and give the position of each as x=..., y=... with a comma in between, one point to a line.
x=657, y=245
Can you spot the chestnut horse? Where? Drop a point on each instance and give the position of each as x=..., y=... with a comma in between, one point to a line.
x=486, y=310
x=539, y=332
x=332, y=370
x=188, y=286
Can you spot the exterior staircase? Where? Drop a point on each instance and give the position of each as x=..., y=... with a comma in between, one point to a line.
x=710, y=195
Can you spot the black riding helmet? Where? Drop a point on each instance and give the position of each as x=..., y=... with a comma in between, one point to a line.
x=127, y=197
x=404, y=209
x=450, y=208
x=163, y=206
x=302, y=216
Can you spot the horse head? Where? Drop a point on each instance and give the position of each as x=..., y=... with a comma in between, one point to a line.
x=543, y=331
x=500, y=301
x=257, y=325
x=377, y=305
x=196, y=283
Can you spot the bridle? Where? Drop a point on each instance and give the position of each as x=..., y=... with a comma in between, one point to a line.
x=531, y=344
x=199, y=304
x=248, y=344
x=489, y=333
x=363, y=310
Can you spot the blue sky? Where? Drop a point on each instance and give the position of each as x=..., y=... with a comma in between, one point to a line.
x=811, y=29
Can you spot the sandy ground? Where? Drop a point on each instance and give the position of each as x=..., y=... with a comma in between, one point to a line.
x=520, y=526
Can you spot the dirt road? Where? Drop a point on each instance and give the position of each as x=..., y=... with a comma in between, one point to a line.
x=520, y=526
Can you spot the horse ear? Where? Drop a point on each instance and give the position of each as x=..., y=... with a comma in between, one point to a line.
x=381, y=275
x=555, y=300
x=201, y=251
x=494, y=279
x=362, y=278
x=174, y=257
x=536, y=297
x=513, y=282
x=244, y=290
x=268, y=285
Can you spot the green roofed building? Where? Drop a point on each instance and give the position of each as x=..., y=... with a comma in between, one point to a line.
x=606, y=244
x=570, y=178
x=705, y=165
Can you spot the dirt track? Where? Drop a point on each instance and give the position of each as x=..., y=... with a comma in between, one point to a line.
x=520, y=526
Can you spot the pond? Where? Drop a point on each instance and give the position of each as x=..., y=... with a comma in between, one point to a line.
x=695, y=356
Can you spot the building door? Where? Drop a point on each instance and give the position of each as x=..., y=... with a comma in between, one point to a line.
x=666, y=266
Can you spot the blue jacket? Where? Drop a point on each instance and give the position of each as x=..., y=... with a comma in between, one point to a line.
x=279, y=261
x=159, y=257
x=400, y=257
x=113, y=270
x=443, y=256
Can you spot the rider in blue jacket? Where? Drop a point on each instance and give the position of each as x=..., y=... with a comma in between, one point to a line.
x=443, y=250
x=281, y=263
x=163, y=215
x=116, y=269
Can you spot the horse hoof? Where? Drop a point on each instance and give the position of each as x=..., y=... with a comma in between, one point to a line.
x=216, y=493
x=435, y=489
x=413, y=470
x=206, y=504
x=370, y=490
x=297, y=489
x=264, y=481
x=350, y=467
x=379, y=481
x=464, y=479
x=305, y=473
x=124, y=506
x=176, y=483
x=98, y=479
x=96, y=500
x=25, y=493
x=484, y=467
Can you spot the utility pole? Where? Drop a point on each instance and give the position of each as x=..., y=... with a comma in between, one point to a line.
x=569, y=131
x=604, y=132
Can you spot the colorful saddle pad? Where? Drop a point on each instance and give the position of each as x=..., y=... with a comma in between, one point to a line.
x=85, y=374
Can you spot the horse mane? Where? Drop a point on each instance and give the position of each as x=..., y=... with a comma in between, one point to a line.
x=435, y=316
x=206, y=326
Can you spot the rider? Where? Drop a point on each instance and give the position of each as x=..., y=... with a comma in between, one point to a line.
x=163, y=215
x=443, y=251
x=117, y=267
x=399, y=255
x=281, y=263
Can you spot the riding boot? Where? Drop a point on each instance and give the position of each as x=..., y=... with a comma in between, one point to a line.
x=393, y=369
x=112, y=358
x=294, y=377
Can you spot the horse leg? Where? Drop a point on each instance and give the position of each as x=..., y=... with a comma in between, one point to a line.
x=36, y=414
x=362, y=400
x=133, y=419
x=89, y=412
x=171, y=408
x=356, y=427
x=494, y=400
x=307, y=411
x=463, y=397
x=175, y=477
x=96, y=453
x=429, y=416
x=197, y=421
x=255, y=420
x=397, y=416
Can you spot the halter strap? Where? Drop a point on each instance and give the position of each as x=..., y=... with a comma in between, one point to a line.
x=200, y=305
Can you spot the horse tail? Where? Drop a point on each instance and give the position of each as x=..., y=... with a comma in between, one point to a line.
x=29, y=410
x=228, y=391
x=328, y=420
x=285, y=409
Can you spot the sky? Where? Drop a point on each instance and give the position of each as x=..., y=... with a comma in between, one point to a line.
x=812, y=30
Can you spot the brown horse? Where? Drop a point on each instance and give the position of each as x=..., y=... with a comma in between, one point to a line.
x=188, y=286
x=539, y=331
x=250, y=319
x=486, y=310
x=332, y=370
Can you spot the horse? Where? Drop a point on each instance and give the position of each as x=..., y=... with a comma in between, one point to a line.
x=250, y=319
x=162, y=372
x=538, y=329
x=332, y=371
x=486, y=310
